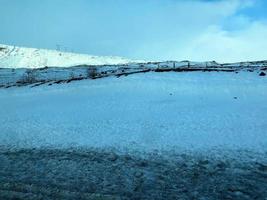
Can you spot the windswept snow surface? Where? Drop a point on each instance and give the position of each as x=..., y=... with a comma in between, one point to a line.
x=21, y=57
x=144, y=112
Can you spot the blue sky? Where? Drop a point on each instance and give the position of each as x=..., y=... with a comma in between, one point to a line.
x=222, y=30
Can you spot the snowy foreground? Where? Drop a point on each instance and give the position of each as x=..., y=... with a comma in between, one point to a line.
x=169, y=135
x=146, y=111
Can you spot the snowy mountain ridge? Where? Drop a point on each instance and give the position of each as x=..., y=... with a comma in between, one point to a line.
x=21, y=57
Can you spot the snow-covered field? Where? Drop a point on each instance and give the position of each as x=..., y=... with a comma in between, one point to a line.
x=169, y=111
x=154, y=135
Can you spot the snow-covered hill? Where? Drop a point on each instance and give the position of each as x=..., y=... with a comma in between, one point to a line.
x=20, y=57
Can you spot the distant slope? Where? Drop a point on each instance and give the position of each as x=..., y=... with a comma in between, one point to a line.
x=20, y=57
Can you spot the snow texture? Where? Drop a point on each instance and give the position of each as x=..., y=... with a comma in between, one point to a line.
x=192, y=111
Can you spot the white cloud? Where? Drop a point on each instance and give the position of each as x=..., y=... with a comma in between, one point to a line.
x=207, y=37
x=229, y=46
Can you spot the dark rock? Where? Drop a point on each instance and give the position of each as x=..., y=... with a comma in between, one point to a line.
x=142, y=163
x=262, y=74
